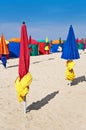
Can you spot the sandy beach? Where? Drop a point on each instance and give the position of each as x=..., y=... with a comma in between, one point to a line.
x=52, y=104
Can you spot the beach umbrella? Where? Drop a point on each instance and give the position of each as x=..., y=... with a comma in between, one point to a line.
x=32, y=41
x=3, y=50
x=46, y=48
x=7, y=42
x=70, y=53
x=24, y=79
x=46, y=39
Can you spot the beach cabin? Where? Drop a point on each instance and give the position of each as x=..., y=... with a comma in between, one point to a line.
x=54, y=48
x=33, y=48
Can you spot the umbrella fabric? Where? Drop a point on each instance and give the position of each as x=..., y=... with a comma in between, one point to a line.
x=3, y=47
x=70, y=75
x=24, y=79
x=32, y=41
x=3, y=50
x=22, y=86
x=4, y=60
x=7, y=42
x=46, y=39
x=24, y=59
x=70, y=50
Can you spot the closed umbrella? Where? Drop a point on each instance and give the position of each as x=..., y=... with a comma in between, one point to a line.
x=70, y=53
x=24, y=79
x=3, y=50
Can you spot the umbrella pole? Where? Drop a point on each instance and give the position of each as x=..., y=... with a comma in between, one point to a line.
x=25, y=104
x=69, y=83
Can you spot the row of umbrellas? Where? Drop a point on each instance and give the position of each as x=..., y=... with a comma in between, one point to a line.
x=24, y=79
x=70, y=53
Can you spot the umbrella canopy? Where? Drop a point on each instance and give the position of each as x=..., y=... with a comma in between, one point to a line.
x=3, y=46
x=24, y=79
x=24, y=59
x=32, y=41
x=46, y=39
x=7, y=42
x=70, y=75
x=70, y=50
x=3, y=50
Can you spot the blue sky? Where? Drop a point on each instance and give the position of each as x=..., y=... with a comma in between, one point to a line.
x=44, y=18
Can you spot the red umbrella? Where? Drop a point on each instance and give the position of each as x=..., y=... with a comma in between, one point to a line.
x=24, y=79
x=32, y=41
x=24, y=59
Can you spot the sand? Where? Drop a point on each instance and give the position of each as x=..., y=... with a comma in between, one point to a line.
x=52, y=104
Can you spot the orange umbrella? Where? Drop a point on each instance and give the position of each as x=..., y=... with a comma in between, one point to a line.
x=3, y=50
x=3, y=46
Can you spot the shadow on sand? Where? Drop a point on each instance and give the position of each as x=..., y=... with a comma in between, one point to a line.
x=37, y=105
x=12, y=66
x=35, y=62
x=78, y=80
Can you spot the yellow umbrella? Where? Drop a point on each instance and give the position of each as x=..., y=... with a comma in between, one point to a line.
x=46, y=39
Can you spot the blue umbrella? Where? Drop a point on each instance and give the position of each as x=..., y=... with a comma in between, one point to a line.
x=70, y=49
x=70, y=52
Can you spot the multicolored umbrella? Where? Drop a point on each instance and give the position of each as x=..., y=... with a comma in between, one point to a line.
x=70, y=53
x=25, y=78
x=3, y=50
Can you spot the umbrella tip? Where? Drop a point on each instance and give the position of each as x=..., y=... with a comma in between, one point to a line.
x=23, y=22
